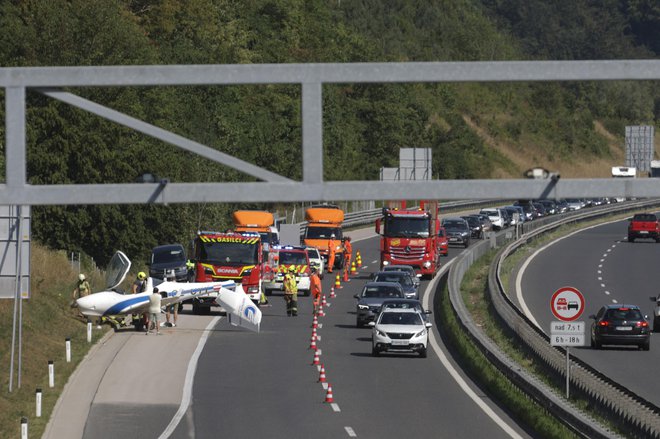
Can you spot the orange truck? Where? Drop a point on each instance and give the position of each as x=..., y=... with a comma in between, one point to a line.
x=257, y=221
x=323, y=221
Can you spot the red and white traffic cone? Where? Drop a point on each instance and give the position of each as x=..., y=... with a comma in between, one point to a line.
x=322, y=375
x=332, y=292
x=328, y=394
x=321, y=312
x=312, y=343
x=315, y=322
x=323, y=301
x=316, y=359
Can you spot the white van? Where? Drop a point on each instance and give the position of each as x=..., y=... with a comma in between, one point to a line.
x=495, y=217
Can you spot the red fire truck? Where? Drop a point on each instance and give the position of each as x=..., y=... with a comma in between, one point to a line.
x=410, y=237
x=228, y=256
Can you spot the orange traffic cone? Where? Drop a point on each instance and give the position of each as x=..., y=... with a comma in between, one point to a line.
x=322, y=375
x=337, y=282
x=328, y=394
x=346, y=279
x=332, y=292
x=316, y=359
x=353, y=270
x=358, y=256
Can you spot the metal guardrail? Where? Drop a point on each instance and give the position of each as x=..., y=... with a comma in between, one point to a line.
x=355, y=219
x=636, y=415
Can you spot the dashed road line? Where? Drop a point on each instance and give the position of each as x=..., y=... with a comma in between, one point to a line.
x=350, y=432
x=335, y=407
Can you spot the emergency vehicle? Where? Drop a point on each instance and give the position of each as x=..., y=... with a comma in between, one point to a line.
x=280, y=259
x=228, y=256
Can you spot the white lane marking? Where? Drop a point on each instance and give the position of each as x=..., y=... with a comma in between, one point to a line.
x=600, y=266
x=374, y=261
x=188, y=383
x=600, y=278
x=614, y=301
x=350, y=431
x=602, y=285
x=521, y=272
x=320, y=325
x=607, y=292
x=454, y=373
x=609, y=250
x=318, y=338
x=335, y=407
x=604, y=255
x=325, y=386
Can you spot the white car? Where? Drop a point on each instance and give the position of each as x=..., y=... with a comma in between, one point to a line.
x=316, y=260
x=495, y=217
x=399, y=330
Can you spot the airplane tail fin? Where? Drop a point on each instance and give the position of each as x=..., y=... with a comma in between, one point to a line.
x=240, y=309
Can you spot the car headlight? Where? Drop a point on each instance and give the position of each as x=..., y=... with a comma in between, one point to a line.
x=427, y=264
x=380, y=333
x=386, y=263
x=410, y=294
x=420, y=333
x=208, y=270
x=363, y=306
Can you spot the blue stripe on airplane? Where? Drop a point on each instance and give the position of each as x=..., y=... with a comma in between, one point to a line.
x=119, y=307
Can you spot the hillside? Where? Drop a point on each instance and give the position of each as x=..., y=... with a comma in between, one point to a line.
x=474, y=130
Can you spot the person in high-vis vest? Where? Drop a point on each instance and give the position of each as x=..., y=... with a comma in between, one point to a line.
x=315, y=288
x=332, y=246
x=291, y=293
x=348, y=252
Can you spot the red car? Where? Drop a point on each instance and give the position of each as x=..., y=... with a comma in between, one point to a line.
x=443, y=243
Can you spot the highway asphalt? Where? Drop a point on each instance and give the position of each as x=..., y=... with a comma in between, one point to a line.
x=247, y=384
x=606, y=269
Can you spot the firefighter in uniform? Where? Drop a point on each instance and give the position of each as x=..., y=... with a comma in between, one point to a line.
x=315, y=288
x=291, y=292
x=332, y=246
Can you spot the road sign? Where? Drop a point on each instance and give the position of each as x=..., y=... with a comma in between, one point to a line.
x=567, y=304
x=567, y=333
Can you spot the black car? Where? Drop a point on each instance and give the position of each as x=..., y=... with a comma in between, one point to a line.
x=476, y=226
x=167, y=261
x=372, y=297
x=410, y=288
x=620, y=325
x=458, y=231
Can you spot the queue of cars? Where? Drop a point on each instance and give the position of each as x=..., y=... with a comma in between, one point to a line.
x=389, y=304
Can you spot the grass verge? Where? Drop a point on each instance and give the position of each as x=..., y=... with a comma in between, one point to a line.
x=47, y=322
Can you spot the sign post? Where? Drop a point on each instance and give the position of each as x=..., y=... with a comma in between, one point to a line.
x=567, y=304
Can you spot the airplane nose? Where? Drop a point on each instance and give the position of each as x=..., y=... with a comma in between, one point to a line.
x=87, y=305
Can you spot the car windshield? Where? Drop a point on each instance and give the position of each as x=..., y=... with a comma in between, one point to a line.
x=381, y=291
x=292, y=258
x=624, y=314
x=400, y=318
x=168, y=255
x=472, y=221
x=402, y=278
x=407, y=227
x=454, y=224
x=402, y=305
x=322, y=232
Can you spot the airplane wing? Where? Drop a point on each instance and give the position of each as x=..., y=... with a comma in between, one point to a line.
x=240, y=309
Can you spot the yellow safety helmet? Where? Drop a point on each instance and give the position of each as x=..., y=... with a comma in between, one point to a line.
x=142, y=275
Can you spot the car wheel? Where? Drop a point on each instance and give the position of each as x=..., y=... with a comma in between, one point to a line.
x=374, y=351
x=646, y=346
x=467, y=243
x=596, y=344
x=631, y=238
x=422, y=353
x=656, y=324
x=196, y=308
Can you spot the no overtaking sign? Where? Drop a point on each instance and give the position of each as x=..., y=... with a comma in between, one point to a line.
x=567, y=304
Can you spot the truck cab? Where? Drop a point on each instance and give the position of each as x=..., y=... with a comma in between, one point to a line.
x=323, y=221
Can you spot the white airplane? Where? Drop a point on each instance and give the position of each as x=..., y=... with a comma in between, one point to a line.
x=227, y=294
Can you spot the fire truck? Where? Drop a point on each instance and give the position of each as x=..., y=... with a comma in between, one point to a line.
x=228, y=256
x=410, y=237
